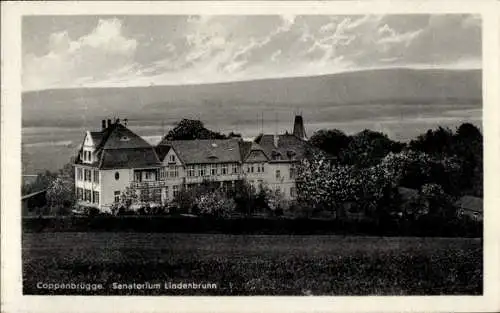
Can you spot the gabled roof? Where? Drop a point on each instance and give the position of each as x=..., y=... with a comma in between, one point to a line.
x=255, y=154
x=287, y=146
x=205, y=150
x=119, y=147
x=162, y=151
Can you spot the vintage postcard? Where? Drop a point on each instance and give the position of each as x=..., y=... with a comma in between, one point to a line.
x=250, y=156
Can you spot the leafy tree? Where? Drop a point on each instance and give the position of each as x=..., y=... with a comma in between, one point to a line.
x=216, y=204
x=367, y=148
x=192, y=129
x=41, y=182
x=434, y=142
x=60, y=195
x=127, y=198
x=332, y=141
x=437, y=203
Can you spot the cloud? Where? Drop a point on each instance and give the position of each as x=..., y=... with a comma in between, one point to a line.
x=103, y=52
x=198, y=49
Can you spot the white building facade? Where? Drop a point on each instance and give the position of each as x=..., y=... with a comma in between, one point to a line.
x=115, y=159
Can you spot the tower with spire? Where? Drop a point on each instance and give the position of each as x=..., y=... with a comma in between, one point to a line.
x=298, y=127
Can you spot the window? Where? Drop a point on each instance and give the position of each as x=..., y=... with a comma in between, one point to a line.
x=175, y=190
x=87, y=195
x=173, y=171
x=213, y=170
x=96, y=176
x=117, y=175
x=235, y=169
x=201, y=170
x=224, y=169
x=138, y=176
x=79, y=193
x=262, y=168
x=87, y=156
x=149, y=176
x=166, y=191
x=292, y=172
x=162, y=173
x=88, y=175
x=278, y=174
x=190, y=171
x=79, y=174
x=293, y=192
x=248, y=169
x=251, y=169
x=117, y=196
x=171, y=158
x=95, y=197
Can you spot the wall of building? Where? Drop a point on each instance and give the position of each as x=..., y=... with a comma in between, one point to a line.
x=110, y=184
x=92, y=185
x=284, y=183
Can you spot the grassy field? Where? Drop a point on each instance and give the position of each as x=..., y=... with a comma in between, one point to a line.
x=253, y=265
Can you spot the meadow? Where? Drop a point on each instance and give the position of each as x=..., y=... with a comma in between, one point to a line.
x=254, y=264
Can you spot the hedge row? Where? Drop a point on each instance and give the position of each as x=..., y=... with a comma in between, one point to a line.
x=255, y=225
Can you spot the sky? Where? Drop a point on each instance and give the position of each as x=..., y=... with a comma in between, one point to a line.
x=123, y=51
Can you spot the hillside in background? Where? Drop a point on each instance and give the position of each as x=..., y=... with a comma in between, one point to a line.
x=243, y=100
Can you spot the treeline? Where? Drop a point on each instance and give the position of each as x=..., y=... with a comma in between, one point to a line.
x=368, y=170
x=451, y=159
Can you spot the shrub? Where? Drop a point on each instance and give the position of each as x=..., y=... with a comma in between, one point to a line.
x=216, y=204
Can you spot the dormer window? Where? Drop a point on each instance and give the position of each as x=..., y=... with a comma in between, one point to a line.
x=171, y=158
x=276, y=155
x=87, y=156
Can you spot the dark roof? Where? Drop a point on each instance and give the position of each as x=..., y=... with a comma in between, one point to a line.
x=256, y=154
x=123, y=138
x=161, y=151
x=245, y=147
x=33, y=194
x=470, y=203
x=288, y=147
x=128, y=158
x=119, y=147
x=206, y=150
x=97, y=137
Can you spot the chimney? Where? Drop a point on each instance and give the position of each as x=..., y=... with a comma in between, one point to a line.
x=103, y=123
x=298, y=127
x=109, y=122
x=275, y=140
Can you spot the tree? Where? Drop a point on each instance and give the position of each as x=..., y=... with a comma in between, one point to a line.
x=127, y=198
x=192, y=129
x=216, y=204
x=331, y=141
x=438, y=204
x=367, y=148
x=60, y=195
x=434, y=142
x=42, y=181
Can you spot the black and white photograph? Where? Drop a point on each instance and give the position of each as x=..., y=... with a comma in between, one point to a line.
x=252, y=154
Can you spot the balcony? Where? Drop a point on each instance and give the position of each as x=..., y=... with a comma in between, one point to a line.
x=148, y=184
